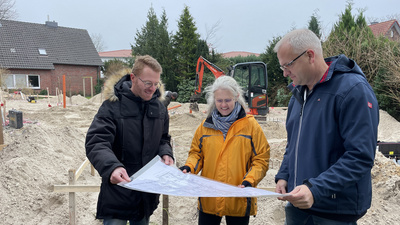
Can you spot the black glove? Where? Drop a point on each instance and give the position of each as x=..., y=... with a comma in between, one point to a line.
x=185, y=167
x=246, y=184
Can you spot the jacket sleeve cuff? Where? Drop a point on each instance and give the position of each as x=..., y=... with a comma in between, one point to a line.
x=185, y=168
x=313, y=188
x=307, y=183
x=246, y=183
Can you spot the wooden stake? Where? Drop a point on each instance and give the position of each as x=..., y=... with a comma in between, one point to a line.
x=72, y=208
x=64, y=92
x=1, y=135
x=165, y=210
x=4, y=110
x=48, y=97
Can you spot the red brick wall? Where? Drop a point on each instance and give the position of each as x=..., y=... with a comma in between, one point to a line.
x=53, y=79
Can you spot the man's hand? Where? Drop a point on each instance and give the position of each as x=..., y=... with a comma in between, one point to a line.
x=301, y=197
x=280, y=188
x=168, y=160
x=119, y=175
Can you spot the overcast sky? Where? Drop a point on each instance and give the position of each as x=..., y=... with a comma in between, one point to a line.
x=241, y=25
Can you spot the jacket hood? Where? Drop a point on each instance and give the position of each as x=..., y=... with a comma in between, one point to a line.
x=342, y=64
x=120, y=81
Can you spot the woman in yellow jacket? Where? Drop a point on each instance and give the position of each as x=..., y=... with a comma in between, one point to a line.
x=229, y=146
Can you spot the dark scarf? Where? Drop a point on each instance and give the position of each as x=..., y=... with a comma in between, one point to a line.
x=223, y=123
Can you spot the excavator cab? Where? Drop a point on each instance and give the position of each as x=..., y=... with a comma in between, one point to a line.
x=252, y=76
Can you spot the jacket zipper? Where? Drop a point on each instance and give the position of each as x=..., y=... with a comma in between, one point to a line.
x=298, y=137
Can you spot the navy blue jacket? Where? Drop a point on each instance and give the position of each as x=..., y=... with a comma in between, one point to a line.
x=332, y=137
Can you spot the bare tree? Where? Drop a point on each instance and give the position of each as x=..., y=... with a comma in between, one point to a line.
x=372, y=20
x=4, y=73
x=392, y=78
x=98, y=42
x=211, y=34
x=378, y=58
x=7, y=10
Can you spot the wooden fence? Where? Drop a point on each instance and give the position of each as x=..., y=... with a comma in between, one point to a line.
x=73, y=187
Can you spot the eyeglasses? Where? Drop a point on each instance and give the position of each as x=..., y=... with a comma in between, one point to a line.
x=224, y=100
x=284, y=67
x=149, y=84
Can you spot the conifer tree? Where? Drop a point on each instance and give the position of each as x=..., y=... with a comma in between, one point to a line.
x=154, y=39
x=314, y=25
x=185, y=43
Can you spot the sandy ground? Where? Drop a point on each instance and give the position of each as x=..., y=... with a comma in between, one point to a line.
x=51, y=142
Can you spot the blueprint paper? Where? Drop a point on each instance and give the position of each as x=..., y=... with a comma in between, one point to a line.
x=156, y=177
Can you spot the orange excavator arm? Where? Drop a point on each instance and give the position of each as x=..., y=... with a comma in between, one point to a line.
x=201, y=63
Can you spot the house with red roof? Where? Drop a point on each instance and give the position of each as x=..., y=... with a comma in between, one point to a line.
x=122, y=55
x=238, y=53
x=38, y=56
x=127, y=53
x=389, y=29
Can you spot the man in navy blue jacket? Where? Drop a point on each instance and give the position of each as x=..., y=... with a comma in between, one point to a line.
x=332, y=124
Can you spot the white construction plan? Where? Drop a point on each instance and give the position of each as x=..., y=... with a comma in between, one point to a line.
x=156, y=177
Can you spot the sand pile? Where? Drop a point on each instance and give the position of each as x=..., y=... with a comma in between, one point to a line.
x=51, y=142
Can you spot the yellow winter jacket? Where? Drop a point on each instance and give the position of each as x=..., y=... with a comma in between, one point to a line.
x=243, y=156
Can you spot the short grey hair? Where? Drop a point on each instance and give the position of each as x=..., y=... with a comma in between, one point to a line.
x=226, y=83
x=301, y=40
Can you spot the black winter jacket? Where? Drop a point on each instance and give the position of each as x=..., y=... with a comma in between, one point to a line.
x=126, y=132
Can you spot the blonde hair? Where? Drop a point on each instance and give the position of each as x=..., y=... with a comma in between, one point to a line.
x=225, y=83
x=145, y=60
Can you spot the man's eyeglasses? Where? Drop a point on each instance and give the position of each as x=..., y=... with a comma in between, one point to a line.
x=149, y=84
x=284, y=67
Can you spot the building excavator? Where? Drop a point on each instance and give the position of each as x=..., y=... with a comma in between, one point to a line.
x=252, y=77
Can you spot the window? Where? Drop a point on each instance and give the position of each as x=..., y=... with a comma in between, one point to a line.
x=391, y=33
x=42, y=51
x=15, y=81
x=33, y=81
x=13, y=50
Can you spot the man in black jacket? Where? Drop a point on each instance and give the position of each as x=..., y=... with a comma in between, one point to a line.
x=129, y=130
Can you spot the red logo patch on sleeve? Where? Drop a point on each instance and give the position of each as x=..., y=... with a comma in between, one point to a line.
x=370, y=105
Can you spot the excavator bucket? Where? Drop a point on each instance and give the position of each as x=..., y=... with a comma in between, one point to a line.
x=194, y=107
x=193, y=102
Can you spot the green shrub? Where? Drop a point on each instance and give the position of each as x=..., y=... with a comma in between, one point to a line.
x=283, y=96
x=43, y=92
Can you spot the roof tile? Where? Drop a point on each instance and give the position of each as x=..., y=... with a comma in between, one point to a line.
x=381, y=28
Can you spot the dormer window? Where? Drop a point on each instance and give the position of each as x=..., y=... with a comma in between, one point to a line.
x=42, y=51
